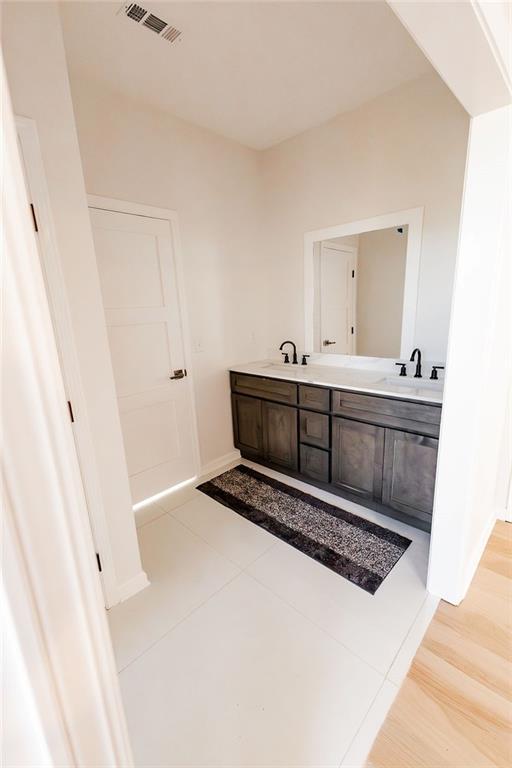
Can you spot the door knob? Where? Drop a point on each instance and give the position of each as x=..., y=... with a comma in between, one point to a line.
x=328, y=343
x=179, y=374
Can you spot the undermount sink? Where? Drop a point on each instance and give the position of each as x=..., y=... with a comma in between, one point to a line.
x=412, y=383
x=283, y=366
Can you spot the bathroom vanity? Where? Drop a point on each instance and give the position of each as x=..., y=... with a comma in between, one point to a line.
x=363, y=435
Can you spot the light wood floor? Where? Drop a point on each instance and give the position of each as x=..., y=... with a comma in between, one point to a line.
x=455, y=706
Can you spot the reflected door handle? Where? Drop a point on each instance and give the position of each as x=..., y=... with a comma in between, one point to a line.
x=179, y=374
x=328, y=343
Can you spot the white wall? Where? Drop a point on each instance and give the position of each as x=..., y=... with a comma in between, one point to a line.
x=471, y=478
x=463, y=54
x=380, y=292
x=135, y=153
x=37, y=75
x=473, y=470
x=403, y=150
x=496, y=18
x=243, y=214
x=60, y=690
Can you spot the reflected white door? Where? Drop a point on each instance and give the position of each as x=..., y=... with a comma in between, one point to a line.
x=140, y=296
x=337, y=299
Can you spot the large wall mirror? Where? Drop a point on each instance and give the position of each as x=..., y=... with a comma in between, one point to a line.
x=361, y=284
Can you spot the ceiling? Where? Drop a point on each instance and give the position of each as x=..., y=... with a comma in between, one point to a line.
x=257, y=73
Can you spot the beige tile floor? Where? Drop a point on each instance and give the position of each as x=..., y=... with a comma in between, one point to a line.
x=245, y=652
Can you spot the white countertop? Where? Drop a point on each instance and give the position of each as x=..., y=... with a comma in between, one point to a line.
x=358, y=380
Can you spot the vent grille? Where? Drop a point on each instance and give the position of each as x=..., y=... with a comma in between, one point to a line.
x=135, y=12
x=154, y=23
x=148, y=20
x=171, y=34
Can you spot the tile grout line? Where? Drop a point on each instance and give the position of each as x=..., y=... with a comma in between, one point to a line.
x=192, y=487
x=244, y=569
x=314, y=624
x=153, y=519
x=411, y=627
x=262, y=554
x=222, y=554
x=386, y=680
x=409, y=630
x=363, y=720
x=180, y=621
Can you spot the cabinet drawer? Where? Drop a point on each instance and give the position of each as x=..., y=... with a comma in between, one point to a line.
x=388, y=412
x=267, y=389
x=314, y=397
x=314, y=428
x=314, y=463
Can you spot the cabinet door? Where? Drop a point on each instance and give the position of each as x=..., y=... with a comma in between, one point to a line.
x=409, y=473
x=357, y=457
x=280, y=440
x=314, y=463
x=247, y=424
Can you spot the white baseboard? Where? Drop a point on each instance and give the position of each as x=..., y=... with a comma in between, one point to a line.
x=132, y=586
x=220, y=463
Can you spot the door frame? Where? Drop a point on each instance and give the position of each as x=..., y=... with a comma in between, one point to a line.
x=37, y=188
x=413, y=218
x=51, y=577
x=116, y=205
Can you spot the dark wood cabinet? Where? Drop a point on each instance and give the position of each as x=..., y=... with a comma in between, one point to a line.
x=314, y=428
x=266, y=430
x=409, y=473
x=314, y=463
x=357, y=457
x=247, y=425
x=317, y=398
x=280, y=444
x=266, y=389
x=378, y=450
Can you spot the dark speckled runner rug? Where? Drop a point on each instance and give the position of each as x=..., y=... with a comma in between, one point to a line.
x=360, y=551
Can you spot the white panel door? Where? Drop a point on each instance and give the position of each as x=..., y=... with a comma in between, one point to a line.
x=140, y=296
x=337, y=296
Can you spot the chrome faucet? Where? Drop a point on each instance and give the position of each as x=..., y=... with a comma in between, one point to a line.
x=286, y=358
x=417, y=374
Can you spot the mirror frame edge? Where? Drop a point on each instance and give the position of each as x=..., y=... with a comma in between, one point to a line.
x=413, y=218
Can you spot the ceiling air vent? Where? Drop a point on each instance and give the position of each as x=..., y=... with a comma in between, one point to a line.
x=147, y=19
